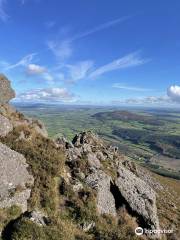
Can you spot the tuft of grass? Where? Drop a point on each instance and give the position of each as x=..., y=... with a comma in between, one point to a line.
x=45, y=163
x=8, y=214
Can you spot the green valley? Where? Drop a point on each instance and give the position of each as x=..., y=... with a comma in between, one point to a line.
x=149, y=136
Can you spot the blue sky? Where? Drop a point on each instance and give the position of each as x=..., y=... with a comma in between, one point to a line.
x=92, y=52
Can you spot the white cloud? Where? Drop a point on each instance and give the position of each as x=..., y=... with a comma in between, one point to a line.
x=100, y=28
x=130, y=60
x=174, y=93
x=47, y=94
x=3, y=15
x=25, y=61
x=61, y=49
x=48, y=77
x=130, y=88
x=150, y=100
x=37, y=70
x=34, y=69
x=79, y=70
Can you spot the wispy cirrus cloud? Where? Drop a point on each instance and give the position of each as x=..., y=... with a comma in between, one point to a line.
x=3, y=15
x=85, y=70
x=25, y=61
x=131, y=88
x=63, y=48
x=79, y=71
x=130, y=60
x=30, y=68
x=100, y=27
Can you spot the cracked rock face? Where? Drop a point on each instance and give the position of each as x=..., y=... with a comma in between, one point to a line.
x=5, y=126
x=139, y=195
x=100, y=181
x=125, y=188
x=14, y=179
x=6, y=92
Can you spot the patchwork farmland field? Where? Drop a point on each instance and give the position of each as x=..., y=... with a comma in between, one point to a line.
x=149, y=136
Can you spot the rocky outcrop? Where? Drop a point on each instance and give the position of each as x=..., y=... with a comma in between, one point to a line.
x=123, y=187
x=86, y=138
x=6, y=92
x=37, y=217
x=14, y=179
x=5, y=126
x=143, y=174
x=9, y=117
x=100, y=181
x=139, y=196
x=89, y=146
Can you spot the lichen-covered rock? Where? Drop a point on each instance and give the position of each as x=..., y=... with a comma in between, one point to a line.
x=86, y=226
x=142, y=173
x=6, y=92
x=37, y=217
x=86, y=138
x=63, y=143
x=100, y=181
x=14, y=179
x=93, y=161
x=39, y=127
x=139, y=195
x=5, y=126
x=16, y=199
x=116, y=180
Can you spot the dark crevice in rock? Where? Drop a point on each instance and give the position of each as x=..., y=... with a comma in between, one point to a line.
x=120, y=202
x=8, y=230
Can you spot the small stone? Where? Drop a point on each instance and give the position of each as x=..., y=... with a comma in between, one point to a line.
x=88, y=226
x=37, y=217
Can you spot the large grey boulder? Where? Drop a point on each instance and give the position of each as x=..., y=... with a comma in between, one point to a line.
x=5, y=126
x=6, y=92
x=101, y=182
x=14, y=179
x=140, y=197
